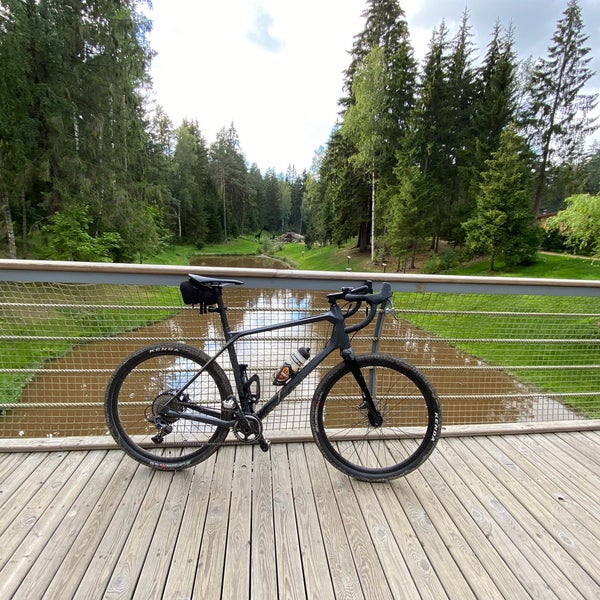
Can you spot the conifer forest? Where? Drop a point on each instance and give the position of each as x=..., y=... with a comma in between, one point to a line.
x=467, y=145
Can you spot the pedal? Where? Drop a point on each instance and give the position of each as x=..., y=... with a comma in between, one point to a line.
x=264, y=444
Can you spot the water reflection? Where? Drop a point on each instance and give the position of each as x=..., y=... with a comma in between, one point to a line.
x=471, y=391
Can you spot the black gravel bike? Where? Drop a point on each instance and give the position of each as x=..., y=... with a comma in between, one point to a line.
x=373, y=416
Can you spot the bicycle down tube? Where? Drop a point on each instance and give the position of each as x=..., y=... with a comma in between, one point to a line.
x=339, y=340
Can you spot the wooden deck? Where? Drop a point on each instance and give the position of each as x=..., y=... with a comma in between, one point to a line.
x=486, y=517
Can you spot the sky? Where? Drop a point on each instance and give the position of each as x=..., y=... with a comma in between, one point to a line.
x=275, y=68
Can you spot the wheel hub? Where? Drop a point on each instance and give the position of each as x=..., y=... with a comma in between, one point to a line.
x=162, y=402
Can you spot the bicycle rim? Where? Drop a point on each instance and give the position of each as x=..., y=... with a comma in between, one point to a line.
x=345, y=433
x=144, y=384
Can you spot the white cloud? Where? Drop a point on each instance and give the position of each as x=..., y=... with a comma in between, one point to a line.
x=274, y=69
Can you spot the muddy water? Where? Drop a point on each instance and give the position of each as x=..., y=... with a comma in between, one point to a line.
x=80, y=377
x=241, y=262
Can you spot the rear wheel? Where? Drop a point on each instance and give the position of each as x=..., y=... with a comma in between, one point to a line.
x=376, y=447
x=145, y=385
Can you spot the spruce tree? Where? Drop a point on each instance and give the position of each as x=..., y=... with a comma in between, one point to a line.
x=380, y=88
x=229, y=175
x=459, y=148
x=559, y=113
x=430, y=127
x=503, y=225
x=495, y=105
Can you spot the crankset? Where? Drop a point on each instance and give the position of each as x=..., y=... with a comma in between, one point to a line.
x=250, y=430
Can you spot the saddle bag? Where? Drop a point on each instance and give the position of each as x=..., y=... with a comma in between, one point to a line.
x=194, y=293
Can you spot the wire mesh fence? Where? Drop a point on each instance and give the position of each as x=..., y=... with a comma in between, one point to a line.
x=493, y=358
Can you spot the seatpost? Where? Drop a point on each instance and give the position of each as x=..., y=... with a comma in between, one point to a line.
x=222, y=310
x=237, y=372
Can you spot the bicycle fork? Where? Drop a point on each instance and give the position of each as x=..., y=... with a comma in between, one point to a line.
x=375, y=418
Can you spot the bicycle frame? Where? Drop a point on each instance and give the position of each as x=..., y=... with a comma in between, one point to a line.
x=339, y=339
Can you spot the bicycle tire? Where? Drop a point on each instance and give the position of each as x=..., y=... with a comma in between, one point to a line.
x=144, y=383
x=409, y=407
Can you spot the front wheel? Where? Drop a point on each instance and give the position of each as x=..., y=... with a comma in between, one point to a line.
x=371, y=448
x=145, y=386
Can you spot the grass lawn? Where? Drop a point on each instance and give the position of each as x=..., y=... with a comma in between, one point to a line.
x=65, y=322
x=546, y=266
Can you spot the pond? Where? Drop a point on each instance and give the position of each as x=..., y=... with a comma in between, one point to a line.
x=241, y=262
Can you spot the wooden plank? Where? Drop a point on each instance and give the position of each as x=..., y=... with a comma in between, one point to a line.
x=382, y=543
x=95, y=471
x=263, y=578
x=438, y=566
x=213, y=545
x=81, y=547
x=509, y=569
x=25, y=481
x=339, y=553
x=289, y=564
x=568, y=517
x=366, y=559
x=493, y=429
x=180, y=580
x=92, y=547
x=515, y=516
x=154, y=571
x=135, y=553
x=570, y=533
x=119, y=531
x=574, y=486
x=540, y=575
x=314, y=558
x=13, y=469
x=464, y=529
x=582, y=446
x=236, y=576
x=592, y=441
x=27, y=445
x=32, y=526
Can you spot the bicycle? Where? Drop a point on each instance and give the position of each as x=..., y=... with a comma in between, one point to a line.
x=373, y=416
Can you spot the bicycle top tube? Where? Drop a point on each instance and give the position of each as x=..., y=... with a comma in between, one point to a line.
x=356, y=296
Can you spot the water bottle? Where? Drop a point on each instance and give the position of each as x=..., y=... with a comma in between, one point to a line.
x=291, y=366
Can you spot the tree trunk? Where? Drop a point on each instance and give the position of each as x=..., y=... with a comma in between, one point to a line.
x=23, y=225
x=373, y=212
x=10, y=232
x=363, y=236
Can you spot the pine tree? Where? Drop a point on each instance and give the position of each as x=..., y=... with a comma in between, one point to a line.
x=17, y=143
x=380, y=87
x=459, y=148
x=559, y=111
x=191, y=185
x=229, y=175
x=496, y=96
x=503, y=225
x=344, y=189
x=77, y=103
x=430, y=127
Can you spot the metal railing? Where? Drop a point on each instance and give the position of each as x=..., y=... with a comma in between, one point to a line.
x=498, y=350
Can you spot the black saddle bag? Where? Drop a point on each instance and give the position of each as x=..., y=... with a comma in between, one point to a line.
x=193, y=293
